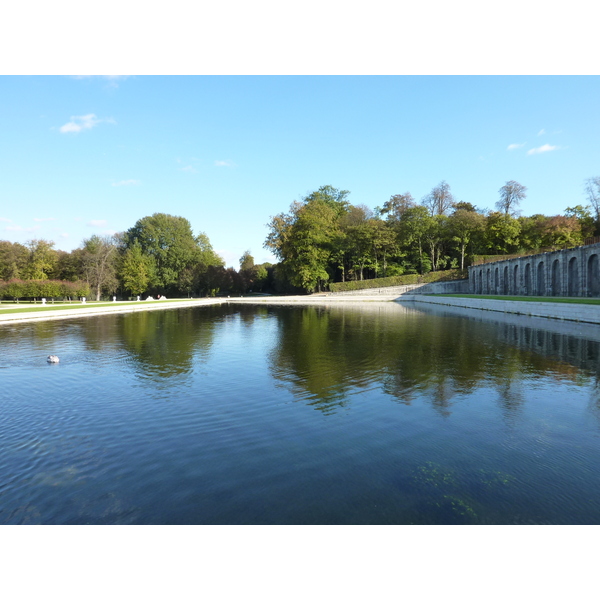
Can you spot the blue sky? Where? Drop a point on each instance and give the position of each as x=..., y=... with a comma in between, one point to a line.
x=85, y=155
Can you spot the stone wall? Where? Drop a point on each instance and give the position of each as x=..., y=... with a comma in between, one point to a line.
x=571, y=273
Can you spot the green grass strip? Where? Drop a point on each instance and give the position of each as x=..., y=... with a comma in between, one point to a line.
x=526, y=298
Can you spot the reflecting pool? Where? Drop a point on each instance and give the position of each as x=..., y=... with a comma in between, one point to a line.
x=379, y=413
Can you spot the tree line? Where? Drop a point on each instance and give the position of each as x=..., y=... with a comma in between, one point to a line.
x=323, y=238
x=158, y=255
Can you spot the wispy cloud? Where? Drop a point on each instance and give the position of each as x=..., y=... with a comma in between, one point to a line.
x=189, y=169
x=83, y=122
x=541, y=132
x=37, y=220
x=515, y=146
x=64, y=235
x=97, y=223
x=224, y=163
x=126, y=182
x=5, y=220
x=19, y=228
x=544, y=148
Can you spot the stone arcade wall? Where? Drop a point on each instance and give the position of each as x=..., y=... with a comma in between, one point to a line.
x=574, y=273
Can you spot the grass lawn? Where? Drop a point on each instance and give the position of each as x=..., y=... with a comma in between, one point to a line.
x=12, y=308
x=527, y=298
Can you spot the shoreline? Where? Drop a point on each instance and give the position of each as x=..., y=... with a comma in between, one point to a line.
x=559, y=311
x=113, y=308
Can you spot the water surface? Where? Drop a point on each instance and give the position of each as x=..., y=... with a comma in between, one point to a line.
x=379, y=413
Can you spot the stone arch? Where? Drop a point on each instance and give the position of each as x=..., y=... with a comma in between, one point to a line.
x=527, y=282
x=496, y=282
x=556, y=287
x=515, y=288
x=480, y=282
x=487, y=281
x=593, y=276
x=541, y=279
x=505, y=281
x=573, y=278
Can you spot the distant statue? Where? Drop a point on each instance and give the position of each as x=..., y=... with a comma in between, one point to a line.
x=53, y=359
x=149, y=298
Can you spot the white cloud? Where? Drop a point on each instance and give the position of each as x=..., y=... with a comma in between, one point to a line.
x=97, y=223
x=224, y=163
x=83, y=122
x=45, y=219
x=5, y=220
x=19, y=228
x=541, y=132
x=64, y=235
x=544, y=148
x=188, y=169
x=126, y=182
x=515, y=146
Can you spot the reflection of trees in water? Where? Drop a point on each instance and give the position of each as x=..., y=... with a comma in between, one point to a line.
x=327, y=352
x=166, y=343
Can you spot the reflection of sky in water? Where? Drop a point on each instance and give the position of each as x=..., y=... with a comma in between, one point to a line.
x=379, y=413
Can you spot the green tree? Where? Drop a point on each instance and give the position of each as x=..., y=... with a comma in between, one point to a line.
x=303, y=239
x=412, y=229
x=169, y=240
x=41, y=259
x=13, y=259
x=137, y=270
x=246, y=261
x=501, y=233
x=464, y=227
x=99, y=264
x=585, y=219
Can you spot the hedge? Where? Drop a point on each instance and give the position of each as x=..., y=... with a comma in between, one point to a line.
x=15, y=289
x=413, y=279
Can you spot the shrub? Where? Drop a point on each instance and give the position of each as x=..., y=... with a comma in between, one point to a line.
x=411, y=279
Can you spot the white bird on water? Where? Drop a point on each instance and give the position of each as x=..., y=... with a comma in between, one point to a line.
x=53, y=359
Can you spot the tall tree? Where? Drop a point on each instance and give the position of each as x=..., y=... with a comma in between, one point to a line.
x=592, y=190
x=174, y=248
x=137, y=270
x=99, y=258
x=397, y=205
x=411, y=233
x=246, y=261
x=585, y=219
x=41, y=260
x=303, y=239
x=13, y=259
x=465, y=225
x=511, y=194
x=440, y=200
x=502, y=233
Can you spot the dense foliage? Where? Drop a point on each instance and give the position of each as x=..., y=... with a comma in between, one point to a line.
x=324, y=239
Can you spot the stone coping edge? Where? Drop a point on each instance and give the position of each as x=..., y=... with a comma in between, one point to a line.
x=582, y=313
x=130, y=307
